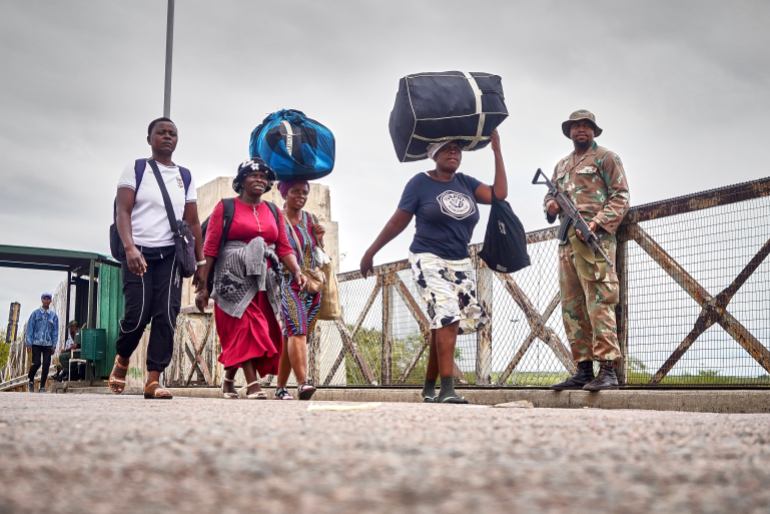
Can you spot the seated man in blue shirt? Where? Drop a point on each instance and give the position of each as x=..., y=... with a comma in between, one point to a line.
x=71, y=350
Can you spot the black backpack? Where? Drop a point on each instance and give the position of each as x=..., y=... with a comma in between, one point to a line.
x=228, y=211
x=505, y=242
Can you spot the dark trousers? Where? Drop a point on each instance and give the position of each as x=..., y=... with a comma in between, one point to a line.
x=40, y=353
x=154, y=297
x=64, y=360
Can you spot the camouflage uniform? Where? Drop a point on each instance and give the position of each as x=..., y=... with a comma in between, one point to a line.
x=596, y=184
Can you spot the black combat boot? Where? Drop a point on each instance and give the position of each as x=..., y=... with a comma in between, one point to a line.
x=606, y=379
x=585, y=373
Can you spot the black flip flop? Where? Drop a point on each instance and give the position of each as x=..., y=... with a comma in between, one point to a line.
x=305, y=391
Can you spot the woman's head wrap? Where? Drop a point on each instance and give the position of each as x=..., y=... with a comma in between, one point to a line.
x=434, y=148
x=246, y=168
x=285, y=185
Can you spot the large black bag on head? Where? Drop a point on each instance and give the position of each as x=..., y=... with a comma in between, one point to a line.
x=505, y=242
x=450, y=105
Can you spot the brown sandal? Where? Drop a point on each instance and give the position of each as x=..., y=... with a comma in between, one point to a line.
x=117, y=380
x=153, y=391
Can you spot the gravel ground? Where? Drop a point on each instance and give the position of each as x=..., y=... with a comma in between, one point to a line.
x=107, y=454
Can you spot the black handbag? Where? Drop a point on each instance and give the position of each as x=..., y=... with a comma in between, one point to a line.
x=184, y=241
x=505, y=242
x=116, y=245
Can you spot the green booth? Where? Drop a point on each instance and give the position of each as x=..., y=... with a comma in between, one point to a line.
x=94, y=295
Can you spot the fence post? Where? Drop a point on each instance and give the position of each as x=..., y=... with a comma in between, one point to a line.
x=314, y=372
x=484, y=290
x=387, y=339
x=621, y=310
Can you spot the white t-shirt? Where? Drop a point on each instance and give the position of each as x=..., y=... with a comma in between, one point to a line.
x=149, y=221
x=69, y=343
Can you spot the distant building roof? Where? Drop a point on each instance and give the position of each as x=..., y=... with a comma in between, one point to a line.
x=30, y=257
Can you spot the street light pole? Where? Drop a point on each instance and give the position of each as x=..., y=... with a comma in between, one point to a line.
x=169, y=51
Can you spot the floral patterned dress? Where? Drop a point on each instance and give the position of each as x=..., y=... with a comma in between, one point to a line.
x=299, y=308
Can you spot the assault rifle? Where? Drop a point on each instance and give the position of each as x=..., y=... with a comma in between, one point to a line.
x=572, y=218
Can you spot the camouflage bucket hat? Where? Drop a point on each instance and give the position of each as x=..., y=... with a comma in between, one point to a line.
x=581, y=114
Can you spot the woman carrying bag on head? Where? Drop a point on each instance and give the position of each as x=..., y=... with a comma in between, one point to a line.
x=152, y=275
x=299, y=306
x=444, y=203
x=246, y=283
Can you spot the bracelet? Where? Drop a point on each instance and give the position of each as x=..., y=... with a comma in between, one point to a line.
x=201, y=263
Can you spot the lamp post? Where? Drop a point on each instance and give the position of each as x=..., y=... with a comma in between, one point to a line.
x=169, y=51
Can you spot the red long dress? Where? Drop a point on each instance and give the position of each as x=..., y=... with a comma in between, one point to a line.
x=257, y=334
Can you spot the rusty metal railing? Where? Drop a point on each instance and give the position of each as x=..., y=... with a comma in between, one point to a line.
x=694, y=309
x=694, y=306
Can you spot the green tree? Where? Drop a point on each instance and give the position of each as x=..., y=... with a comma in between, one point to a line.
x=369, y=344
x=5, y=350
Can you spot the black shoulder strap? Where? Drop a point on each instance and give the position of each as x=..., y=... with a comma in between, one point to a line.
x=164, y=192
x=311, y=229
x=139, y=166
x=186, y=178
x=138, y=173
x=228, y=213
x=274, y=209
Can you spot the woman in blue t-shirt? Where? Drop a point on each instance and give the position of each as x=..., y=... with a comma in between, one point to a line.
x=444, y=203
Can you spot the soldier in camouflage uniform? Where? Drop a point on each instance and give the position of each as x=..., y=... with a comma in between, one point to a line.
x=594, y=179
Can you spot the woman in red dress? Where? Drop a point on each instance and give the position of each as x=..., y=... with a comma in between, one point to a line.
x=246, y=282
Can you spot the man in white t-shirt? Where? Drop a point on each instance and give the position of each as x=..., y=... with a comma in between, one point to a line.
x=152, y=281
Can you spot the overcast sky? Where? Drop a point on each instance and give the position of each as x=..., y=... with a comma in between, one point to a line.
x=681, y=90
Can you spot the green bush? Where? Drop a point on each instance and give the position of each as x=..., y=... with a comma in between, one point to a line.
x=369, y=343
x=5, y=350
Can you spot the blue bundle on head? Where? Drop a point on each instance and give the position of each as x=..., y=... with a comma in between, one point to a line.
x=294, y=146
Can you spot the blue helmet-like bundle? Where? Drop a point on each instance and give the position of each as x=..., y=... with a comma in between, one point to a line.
x=445, y=106
x=294, y=146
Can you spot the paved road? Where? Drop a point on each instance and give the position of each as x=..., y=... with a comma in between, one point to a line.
x=100, y=453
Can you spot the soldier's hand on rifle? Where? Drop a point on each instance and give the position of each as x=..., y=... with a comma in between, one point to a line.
x=591, y=225
x=553, y=207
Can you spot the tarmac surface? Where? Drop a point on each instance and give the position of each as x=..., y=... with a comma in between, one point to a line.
x=110, y=454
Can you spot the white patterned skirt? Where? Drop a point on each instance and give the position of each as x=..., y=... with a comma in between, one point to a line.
x=448, y=287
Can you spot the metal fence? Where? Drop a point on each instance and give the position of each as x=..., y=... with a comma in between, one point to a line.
x=694, y=309
x=694, y=306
